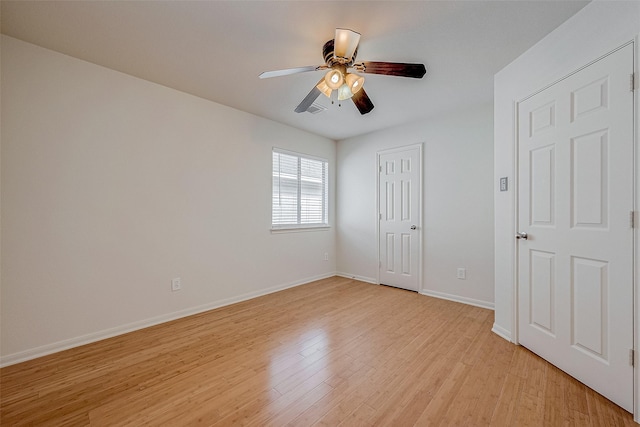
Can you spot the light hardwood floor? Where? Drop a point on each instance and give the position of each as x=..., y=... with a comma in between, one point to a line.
x=332, y=352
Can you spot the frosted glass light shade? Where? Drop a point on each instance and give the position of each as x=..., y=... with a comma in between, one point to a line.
x=344, y=93
x=334, y=79
x=355, y=82
x=345, y=43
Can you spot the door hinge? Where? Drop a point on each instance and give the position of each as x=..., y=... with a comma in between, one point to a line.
x=632, y=217
x=379, y=216
x=632, y=82
x=632, y=357
x=380, y=169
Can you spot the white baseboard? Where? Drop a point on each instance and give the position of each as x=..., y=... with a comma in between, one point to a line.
x=501, y=332
x=23, y=356
x=457, y=298
x=356, y=277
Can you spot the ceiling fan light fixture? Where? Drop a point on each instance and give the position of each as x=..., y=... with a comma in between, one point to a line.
x=339, y=56
x=344, y=93
x=334, y=79
x=326, y=90
x=355, y=82
x=345, y=44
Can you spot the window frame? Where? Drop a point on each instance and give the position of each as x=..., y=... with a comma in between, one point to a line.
x=300, y=226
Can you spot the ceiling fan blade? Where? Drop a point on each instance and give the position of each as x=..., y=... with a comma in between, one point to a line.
x=416, y=71
x=345, y=44
x=362, y=101
x=308, y=100
x=288, y=71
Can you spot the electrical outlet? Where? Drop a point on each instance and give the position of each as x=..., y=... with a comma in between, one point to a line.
x=176, y=284
x=326, y=256
x=461, y=273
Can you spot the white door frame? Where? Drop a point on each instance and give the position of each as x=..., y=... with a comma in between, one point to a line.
x=636, y=237
x=421, y=208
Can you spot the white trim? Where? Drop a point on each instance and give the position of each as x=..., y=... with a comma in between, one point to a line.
x=291, y=229
x=298, y=154
x=356, y=277
x=501, y=332
x=376, y=212
x=419, y=146
x=636, y=237
x=576, y=71
x=440, y=295
x=23, y=356
x=515, y=247
x=456, y=298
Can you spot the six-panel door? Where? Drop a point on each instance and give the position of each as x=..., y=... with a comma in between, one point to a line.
x=399, y=217
x=575, y=199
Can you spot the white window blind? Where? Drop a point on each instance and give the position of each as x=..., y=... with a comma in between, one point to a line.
x=300, y=190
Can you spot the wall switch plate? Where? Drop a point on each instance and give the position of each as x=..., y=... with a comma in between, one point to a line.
x=326, y=256
x=461, y=273
x=176, y=284
x=504, y=183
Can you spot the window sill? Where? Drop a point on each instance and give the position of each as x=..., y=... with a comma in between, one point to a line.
x=299, y=229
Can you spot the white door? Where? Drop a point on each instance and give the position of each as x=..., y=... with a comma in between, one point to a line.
x=399, y=213
x=575, y=198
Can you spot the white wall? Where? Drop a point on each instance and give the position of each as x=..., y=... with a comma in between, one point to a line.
x=594, y=31
x=457, y=202
x=112, y=185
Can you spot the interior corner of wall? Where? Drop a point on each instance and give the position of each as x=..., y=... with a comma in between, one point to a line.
x=501, y=332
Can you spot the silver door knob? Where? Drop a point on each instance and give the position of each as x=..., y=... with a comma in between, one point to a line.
x=413, y=227
x=522, y=235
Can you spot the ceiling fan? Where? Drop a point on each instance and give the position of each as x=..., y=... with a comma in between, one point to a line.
x=339, y=55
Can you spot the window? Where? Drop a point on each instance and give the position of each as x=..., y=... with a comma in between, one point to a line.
x=300, y=191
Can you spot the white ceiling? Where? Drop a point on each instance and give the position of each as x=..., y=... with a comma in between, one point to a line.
x=217, y=49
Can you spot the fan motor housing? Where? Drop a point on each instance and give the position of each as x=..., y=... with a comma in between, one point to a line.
x=331, y=60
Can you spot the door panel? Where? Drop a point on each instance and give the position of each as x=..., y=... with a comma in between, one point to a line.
x=542, y=288
x=575, y=195
x=542, y=184
x=589, y=183
x=399, y=211
x=589, y=286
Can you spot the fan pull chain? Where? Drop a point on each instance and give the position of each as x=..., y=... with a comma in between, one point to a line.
x=334, y=93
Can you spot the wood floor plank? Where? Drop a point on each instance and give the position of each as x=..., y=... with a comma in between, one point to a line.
x=437, y=408
x=331, y=352
x=506, y=409
x=556, y=409
x=333, y=398
x=362, y=416
x=408, y=404
x=473, y=408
